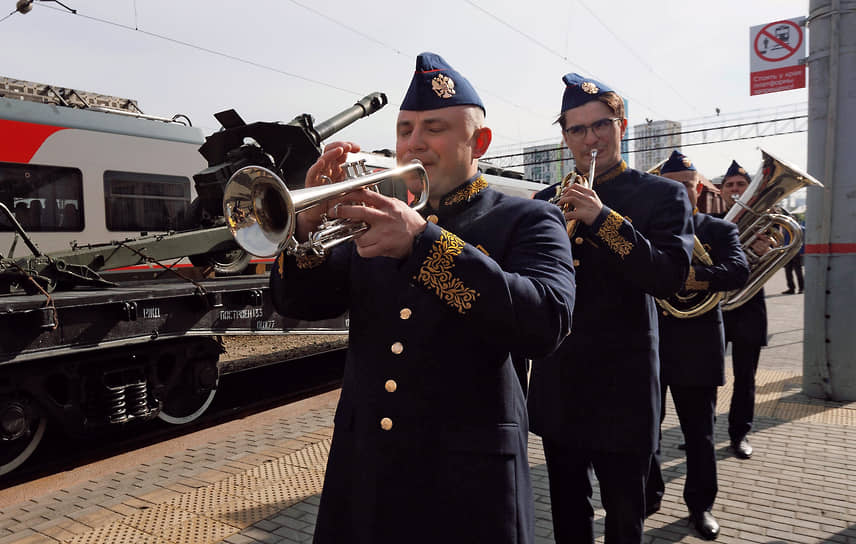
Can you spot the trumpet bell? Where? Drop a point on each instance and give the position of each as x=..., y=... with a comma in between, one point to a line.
x=259, y=210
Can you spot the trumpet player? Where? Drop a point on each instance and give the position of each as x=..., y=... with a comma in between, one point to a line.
x=746, y=329
x=596, y=400
x=692, y=355
x=430, y=438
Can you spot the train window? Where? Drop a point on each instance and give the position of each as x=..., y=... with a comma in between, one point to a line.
x=145, y=202
x=42, y=198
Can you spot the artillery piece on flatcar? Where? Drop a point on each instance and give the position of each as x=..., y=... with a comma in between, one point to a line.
x=288, y=149
x=112, y=354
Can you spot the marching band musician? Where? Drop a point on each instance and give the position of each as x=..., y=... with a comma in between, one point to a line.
x=430, y=438
x=595, y=401
x=746, y=329
x=692, y=355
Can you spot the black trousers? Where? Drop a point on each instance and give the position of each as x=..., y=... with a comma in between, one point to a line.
x=794, y=268
x=622, y=479
x=744, y=358
x=696, y=409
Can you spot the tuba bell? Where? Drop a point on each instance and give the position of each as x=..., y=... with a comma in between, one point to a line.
x=261, y=211
x=755, y=214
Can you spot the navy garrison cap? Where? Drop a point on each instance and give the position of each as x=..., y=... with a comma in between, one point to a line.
x=737, y=170
x=678, y=162
x=437, y=85
x=579, y=90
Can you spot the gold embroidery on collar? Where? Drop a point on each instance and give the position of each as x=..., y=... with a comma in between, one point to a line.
x=483, y=250
x=608, y=232
x=613, y=172
x=436, y=273
x=466, y=192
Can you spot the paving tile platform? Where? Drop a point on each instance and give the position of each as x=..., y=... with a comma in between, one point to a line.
x=261, y=484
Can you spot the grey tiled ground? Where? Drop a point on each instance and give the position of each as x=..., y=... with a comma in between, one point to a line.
x=799, y=486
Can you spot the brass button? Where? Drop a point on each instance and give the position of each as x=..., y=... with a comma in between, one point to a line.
x=665, y=313
x=386, y=424
x=433, y=218
x=405, y=313
x=578, y=240
x=397, y=348
x=576, y=262
x=390, y=386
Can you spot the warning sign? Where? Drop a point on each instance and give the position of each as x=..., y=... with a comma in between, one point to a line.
x=775, y=58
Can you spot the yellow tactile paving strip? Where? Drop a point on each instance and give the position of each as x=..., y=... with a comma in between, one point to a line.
x=778, y=395
x=224, y=507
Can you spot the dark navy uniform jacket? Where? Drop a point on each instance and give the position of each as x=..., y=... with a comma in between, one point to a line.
x=692, y=351
x=747, y=324
x=601, y=389
x=430, y=432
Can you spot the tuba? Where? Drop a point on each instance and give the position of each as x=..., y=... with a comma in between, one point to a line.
x=755, y=214
x=573, y=177
x=686, y=303
x=261, y=211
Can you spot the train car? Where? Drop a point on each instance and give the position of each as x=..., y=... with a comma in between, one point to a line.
x=78, y=167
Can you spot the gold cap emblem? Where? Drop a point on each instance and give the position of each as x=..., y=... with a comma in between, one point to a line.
x=443, y=86
x=687, y=162
x=589, y=87
x=741, y=170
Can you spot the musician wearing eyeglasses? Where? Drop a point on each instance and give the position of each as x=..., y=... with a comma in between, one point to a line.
x=430, y=438
x=595, y=401
x=746, y=329
x=692, y=354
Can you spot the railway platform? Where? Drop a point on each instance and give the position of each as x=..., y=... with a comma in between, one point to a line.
x=258, y=479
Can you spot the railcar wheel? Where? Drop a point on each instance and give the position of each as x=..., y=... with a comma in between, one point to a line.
x=184, y=406
x=21, y=436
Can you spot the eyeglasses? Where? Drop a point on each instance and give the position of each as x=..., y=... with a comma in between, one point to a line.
x=599, y=127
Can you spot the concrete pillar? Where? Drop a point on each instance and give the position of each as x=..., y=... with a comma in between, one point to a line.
x=829, y=359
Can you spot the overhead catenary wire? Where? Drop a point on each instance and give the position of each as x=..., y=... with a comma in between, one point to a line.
x=559, y=148
x=552, y=51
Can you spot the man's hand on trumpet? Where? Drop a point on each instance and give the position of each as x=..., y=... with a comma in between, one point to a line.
x=327, y=169
x=393, y=225
x=582, y=203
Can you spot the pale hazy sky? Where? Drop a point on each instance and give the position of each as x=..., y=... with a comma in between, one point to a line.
x=274, y=59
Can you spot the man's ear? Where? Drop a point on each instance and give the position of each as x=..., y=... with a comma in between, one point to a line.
x=481, y=141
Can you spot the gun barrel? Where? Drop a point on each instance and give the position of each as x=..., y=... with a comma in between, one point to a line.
x=363, y=108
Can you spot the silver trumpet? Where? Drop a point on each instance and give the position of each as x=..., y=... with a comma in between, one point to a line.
x=261, y=211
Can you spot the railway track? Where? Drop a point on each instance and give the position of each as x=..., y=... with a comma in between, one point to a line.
x=249, y=384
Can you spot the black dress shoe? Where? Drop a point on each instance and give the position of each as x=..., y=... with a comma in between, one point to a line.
x=705, y=524
x=742, y=448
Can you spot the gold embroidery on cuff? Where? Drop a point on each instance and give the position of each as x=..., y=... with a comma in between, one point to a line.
x=310, y=260
x=692, y=284
x=436, y=273
x=608, y=232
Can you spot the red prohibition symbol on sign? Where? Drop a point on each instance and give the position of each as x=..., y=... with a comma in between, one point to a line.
x=773, y=43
